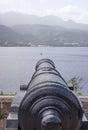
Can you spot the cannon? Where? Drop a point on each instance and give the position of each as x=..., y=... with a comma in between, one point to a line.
x=46, y=103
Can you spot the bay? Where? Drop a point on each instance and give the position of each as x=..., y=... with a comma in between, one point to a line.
x=17, y=65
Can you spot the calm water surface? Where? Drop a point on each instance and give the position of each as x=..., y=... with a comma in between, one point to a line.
x=17, y=64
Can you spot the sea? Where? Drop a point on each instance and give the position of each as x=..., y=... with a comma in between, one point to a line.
x=17, y=65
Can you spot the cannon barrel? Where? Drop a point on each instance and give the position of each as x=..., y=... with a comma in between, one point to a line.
x=48, y=103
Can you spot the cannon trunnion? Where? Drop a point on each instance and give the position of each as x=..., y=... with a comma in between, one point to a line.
x=48, y=103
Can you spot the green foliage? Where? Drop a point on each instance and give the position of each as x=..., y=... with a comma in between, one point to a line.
x=2, y=116
x=1, y=93
x=76, y=83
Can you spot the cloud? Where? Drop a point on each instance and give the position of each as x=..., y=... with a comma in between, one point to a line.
x=67, y=12
x=75, y=13
x=70, y=12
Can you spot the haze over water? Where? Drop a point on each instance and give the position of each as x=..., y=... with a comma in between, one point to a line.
x=17, y=64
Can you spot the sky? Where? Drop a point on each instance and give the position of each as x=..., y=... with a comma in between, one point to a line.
x=76, y=10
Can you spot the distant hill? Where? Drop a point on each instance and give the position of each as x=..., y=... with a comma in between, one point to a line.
x=8, y=35
x=14, y=18
x=53, y=35
x=35, y=34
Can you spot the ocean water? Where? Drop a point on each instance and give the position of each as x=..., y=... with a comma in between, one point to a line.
x=17, y=64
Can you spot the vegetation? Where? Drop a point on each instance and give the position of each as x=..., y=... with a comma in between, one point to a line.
x=2, y=116
x=76, y=84
x=3, y=94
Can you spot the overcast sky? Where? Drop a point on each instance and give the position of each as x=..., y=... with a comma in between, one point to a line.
x=76, y=10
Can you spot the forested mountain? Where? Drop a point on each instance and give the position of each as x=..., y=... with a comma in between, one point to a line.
x=35, y=34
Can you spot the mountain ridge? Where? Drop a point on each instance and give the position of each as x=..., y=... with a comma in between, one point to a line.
x=35, y=35
x=13, y=18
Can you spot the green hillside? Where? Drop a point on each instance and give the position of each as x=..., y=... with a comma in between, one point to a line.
x=35, y=34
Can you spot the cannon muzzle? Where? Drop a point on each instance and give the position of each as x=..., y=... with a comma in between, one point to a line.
x=50, y=121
